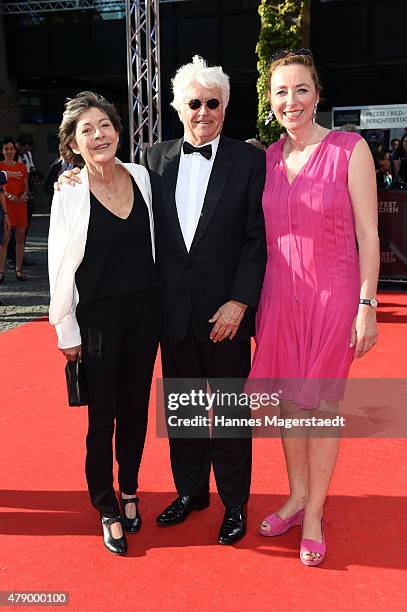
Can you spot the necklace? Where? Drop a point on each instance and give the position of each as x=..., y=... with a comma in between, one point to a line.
x=99, y=186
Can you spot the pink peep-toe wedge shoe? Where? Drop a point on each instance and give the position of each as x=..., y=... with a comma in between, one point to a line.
x=313, y=547
x=277, y=525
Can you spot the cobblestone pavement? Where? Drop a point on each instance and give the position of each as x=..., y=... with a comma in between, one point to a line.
x=24, y=301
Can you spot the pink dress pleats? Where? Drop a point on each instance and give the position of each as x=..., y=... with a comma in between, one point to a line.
x=311, y=287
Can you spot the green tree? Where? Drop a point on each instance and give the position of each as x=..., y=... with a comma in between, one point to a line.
x=284, y=25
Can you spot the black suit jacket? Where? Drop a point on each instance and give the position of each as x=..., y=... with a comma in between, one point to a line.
x=227, y=257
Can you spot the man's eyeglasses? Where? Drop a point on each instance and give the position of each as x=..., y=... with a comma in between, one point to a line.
x=212, y=104
x=281, y=54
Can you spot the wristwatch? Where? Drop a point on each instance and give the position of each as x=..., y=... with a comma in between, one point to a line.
x=369, y=302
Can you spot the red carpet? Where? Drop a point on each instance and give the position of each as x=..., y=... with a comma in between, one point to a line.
x=50, y=537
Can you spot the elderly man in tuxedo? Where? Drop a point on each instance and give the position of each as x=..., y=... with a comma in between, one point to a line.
x=212, y=255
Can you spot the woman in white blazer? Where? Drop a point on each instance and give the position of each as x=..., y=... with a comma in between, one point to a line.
x=105, y=302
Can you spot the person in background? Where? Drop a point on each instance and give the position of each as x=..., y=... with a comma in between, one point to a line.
x=57, y=168
x=105, y=302
x=381, y=148
x=4, y=222
x=24, y=151
x=349, y=127
x=394, y=144
x=256, y=143
x=3, y=179
x=400, y=161
x=16, y=193
x=23, y=155
x=384, y=177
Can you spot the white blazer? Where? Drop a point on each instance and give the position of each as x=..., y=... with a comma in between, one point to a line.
x=66, y=246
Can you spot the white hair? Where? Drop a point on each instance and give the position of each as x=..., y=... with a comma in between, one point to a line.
x=198, y=71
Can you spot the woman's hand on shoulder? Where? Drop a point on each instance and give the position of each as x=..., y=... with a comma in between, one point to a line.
x=69, y=177
x=72, y=353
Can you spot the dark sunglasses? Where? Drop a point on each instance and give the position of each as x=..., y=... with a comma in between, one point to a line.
x=281, y=54
x=211, y=104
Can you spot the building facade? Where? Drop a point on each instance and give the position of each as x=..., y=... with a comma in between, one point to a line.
x=45, y=57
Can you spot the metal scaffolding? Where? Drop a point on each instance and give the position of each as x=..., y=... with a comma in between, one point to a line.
x=143, y=74
x=32, y=7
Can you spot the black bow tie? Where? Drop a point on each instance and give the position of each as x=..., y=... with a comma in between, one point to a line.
x=206, y=151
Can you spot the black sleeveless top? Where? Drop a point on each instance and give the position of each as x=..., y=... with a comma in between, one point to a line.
x=118, y=258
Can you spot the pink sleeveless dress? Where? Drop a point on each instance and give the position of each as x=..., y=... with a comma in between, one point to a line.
x=311, y=287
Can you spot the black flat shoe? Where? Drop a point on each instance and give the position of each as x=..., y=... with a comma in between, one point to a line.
x=131, y=525
x=118, y=546
x=234, y=525
x=179, y=509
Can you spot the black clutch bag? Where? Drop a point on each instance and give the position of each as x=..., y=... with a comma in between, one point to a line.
x=76, y=383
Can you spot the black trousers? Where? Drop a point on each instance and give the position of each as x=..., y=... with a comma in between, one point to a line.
x=191, y=457
x=119, y=346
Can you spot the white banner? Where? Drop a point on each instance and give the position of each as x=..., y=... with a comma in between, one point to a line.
x=384, y=117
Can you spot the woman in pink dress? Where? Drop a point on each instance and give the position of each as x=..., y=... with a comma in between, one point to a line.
x=318, y=308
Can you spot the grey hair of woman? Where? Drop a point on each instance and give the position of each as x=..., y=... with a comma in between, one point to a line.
x=74, y=107
x=198, y=71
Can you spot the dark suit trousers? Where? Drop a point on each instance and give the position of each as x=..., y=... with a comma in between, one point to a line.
x=192, y=457
x=119, y=346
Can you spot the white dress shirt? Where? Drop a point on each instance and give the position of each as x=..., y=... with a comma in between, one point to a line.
x=192, y=182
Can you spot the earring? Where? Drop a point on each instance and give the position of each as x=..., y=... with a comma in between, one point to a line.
x=269, y=118
x=314, y=114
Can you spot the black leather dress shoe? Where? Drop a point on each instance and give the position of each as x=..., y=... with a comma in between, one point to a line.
x=131, y=525
x=178, y=511
x=233, y=527
x=118, y=546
